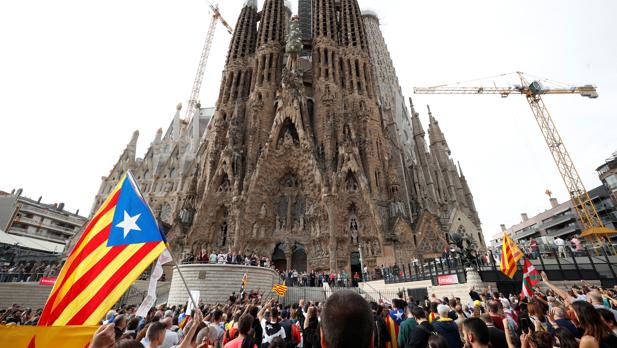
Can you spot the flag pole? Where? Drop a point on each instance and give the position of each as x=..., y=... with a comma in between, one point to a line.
x=184, y=282
x=129, y=174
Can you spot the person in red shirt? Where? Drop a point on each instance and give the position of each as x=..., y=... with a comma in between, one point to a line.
x=244, y=339
x=493, y=311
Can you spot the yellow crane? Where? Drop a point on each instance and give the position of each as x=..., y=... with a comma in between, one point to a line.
x=593, y=227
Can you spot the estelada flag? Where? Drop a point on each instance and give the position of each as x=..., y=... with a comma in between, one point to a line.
x=393, y=323
x=117, y=245
x=43, y=337
x=531, y=277
x=510, y=254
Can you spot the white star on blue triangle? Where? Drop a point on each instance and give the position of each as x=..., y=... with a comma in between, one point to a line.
x=397, y=316
x=133, y=222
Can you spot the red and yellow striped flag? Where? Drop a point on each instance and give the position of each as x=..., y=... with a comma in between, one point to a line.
x=280, y=289
x=40, y=337
x=120, y=241
x=510, y=254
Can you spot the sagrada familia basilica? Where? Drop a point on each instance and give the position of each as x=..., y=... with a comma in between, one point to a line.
x=310, y=155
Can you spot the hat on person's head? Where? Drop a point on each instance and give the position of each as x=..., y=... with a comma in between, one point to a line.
x=477, y=303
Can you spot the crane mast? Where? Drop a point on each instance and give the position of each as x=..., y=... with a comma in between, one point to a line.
x=587, y=213
x=193, y=102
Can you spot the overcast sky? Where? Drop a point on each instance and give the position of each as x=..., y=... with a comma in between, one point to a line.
x=78, y=77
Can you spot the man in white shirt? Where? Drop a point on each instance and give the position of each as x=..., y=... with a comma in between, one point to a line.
x=270, y=326
x=171, y=338
x=560, y=244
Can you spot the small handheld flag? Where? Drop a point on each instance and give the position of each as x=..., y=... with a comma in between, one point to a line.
x=117, y=245
x=244, y=281
x=510, y=254
x=280, y=289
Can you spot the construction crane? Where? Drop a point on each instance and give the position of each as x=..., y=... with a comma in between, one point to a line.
x=594, y=229
x=193, y=103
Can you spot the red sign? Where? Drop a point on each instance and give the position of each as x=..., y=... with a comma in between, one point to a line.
x=447, y=279
x=47, y=281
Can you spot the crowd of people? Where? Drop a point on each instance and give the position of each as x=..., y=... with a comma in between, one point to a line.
x=581, y=316
x=230, y=258
x=341, y=279
x=28, y=271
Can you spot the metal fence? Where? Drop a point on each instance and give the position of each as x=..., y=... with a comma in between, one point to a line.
x=560, y=263
x=319, y=295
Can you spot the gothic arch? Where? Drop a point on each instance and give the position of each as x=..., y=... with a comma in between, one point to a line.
x=287, y=133
x=351, y=184
x=299, y=258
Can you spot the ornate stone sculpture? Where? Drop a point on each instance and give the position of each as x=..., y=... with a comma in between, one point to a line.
x=464, y=248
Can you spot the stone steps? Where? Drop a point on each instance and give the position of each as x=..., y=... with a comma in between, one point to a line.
x=31, y=294
x=217, y=282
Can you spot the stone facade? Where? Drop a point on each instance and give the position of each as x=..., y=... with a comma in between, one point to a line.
x=301, y=162
x=311, y=156
x=166, y=171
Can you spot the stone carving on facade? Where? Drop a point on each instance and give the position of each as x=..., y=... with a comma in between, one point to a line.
x=274, y=170
x=327, y=98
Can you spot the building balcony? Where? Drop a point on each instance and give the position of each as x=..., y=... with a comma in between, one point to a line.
x=563, y=231
x=524, y=234
x=51, y=214
x=24, y=233
x=556, y=221
x=46, y=225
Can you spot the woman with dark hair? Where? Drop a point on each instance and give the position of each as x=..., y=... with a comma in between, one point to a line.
x=564, y=338
x=436, y=341
x=311, y=329
x=596, y=334
x=244, y=339
x=120, y=325
x=127, y=343
x=537, y=314
x=538, y=339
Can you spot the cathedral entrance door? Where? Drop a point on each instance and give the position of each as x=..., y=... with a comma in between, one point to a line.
x=278, y=258
x=298, y=258
x=356, y=266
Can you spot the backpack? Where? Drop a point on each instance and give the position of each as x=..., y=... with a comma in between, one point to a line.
x=289, y=337
x=412, y=341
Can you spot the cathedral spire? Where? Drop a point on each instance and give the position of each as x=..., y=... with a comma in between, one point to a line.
x=324, y=19
x=434, y=131
x=416, y=123
x=132, y=145
x=251, y=3
x=176, y=122
x=351, y=24
x=244, y=38
x=272, y=24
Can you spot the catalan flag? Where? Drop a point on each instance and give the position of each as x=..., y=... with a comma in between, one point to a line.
x=117, y=245
x=510, y=254
x=280, y=289
x=40, y=337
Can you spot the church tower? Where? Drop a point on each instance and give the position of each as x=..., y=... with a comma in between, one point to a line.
x=301, y=162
